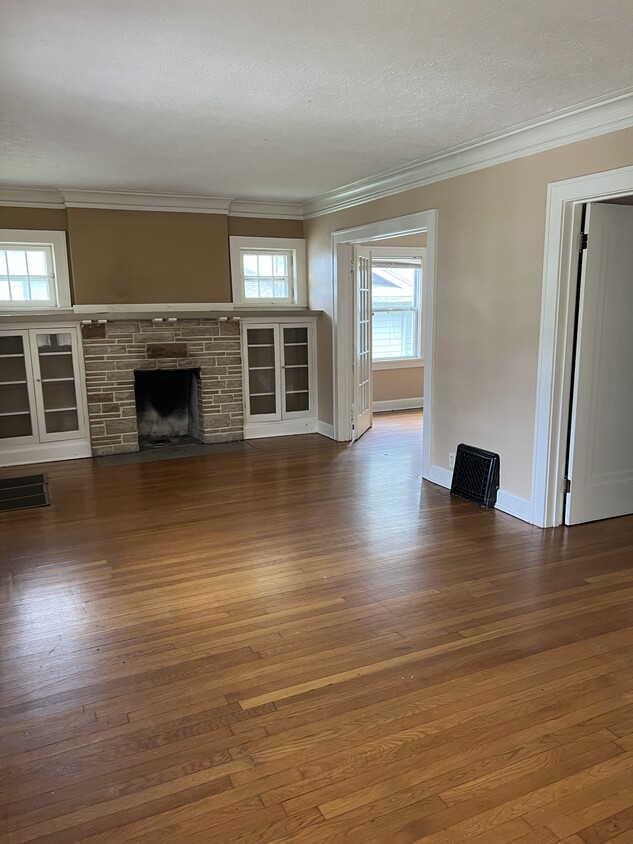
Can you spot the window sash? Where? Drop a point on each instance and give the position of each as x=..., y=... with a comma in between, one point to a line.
x=414, y=308
x=11, y=281
x=273, y=281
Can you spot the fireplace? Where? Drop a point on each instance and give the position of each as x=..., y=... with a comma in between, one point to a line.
x=167, y=407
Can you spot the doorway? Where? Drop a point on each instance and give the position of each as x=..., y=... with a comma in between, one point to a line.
x=344, y=243
x=555, y=386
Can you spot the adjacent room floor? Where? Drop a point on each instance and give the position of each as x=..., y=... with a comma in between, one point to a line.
x=305, y=642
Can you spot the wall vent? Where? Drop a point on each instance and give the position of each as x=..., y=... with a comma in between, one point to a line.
x=476, y=475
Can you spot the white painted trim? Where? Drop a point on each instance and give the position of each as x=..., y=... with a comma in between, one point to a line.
x=56, y=240
x=440, y=476
x=285, y=428
x=267, y=210
x=585, y=121
x=514, y=505
x=138, y=308
x=22, y=455
x=555, y=345
x=405, y=363
x=398, y=404
x=325, y=429
x=342, y=319
x=130, y=201
x=296, y=245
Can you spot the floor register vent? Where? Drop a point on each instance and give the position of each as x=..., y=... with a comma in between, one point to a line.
x=476, y=475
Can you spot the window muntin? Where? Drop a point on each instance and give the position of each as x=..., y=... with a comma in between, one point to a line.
x=396, y=307
x=33, y=270
x=26, y=275
x=266, y=275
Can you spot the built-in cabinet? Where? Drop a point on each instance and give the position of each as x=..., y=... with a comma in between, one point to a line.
x=279, y=377
x=42, y=402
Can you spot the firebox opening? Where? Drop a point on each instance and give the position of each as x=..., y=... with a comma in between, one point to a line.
x=167, y=410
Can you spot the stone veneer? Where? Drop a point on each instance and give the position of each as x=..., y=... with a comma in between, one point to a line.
x=213, y=347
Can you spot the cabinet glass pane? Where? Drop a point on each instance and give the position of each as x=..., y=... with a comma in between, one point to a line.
x=296, y=379
x=261, y=356
x=15, y=426
x=48, y=343
x=296, y=402
x=11, y=345
x=261, y=381
x=61, y=421
x=262, y=404
x=260, y=336
x=14, y=398
x=56, y=366
x=59, y=394
x=296, y=355
x=295, y=335
x=12, y=369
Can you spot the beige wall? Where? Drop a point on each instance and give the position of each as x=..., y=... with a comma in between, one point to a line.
x=147, y=257
x=488, y=295
x=393, y=384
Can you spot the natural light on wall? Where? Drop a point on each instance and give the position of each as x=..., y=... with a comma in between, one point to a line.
x=396, y=306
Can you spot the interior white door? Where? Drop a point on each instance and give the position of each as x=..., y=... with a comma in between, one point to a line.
x=362, y=342
x=601, y=430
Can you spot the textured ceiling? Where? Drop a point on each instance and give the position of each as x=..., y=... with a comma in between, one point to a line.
x=284, y=99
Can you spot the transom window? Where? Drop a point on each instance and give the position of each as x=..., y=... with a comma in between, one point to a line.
x=33, y=270
x=396, y=307
x=268, y=272
x=267, y=275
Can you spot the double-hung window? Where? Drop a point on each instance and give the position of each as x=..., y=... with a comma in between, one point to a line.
x=268, y=271
x=396, y=307
x=33, y=270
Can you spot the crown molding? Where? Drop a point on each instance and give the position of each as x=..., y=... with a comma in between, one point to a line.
x=588, y=121
x=128, y=201
x=269, y=210
x=31, y=198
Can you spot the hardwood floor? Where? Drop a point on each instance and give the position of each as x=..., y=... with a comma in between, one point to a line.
x=303, y=642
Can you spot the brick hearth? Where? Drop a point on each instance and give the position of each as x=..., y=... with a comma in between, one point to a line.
x=213, y=347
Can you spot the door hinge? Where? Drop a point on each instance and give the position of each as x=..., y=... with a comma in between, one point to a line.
x=351, y=267
x=582, y=241
x=567, y=485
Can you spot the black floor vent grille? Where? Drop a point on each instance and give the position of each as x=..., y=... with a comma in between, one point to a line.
x=476, y=475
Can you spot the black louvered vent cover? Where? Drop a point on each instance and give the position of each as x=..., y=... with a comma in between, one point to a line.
x=476, y=475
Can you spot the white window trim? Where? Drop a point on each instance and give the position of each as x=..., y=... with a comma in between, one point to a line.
x=404, y=252
x=299, y=280
x=56, y=240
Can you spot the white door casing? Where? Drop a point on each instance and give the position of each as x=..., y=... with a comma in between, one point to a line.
x=362, y=342
x=601, y=426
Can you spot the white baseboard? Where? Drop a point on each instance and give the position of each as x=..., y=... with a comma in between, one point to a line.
x=398, y=404
x=22, y=455
x=514, y=505
x=256, y=430
x=325, y=430
x=507, y=502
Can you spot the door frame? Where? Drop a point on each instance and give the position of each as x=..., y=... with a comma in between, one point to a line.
x=553, y=391
x=343, y=314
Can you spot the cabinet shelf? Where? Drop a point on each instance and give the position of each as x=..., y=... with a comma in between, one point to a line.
x=16, y=413
x=48, y=354
x=253, y=368
x=55, y=380
x=6, y=383
x=58, y=409
x=261, y=345
x=294, y=392
x=262, y=394
x=295, y=344
x=14, y=355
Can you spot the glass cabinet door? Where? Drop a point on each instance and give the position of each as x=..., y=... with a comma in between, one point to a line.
x=16, y=399
x=55, y=367
x=262, y=387
x=296, y=369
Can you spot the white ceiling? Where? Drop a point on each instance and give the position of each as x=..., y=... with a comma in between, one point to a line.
x=284, y=99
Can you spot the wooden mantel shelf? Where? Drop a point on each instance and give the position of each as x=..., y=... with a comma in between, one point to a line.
x=122, y=313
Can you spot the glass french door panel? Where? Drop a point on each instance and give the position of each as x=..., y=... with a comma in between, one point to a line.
x=263, y=405
x=296, y=355
x=297, y=402
x=59, y=394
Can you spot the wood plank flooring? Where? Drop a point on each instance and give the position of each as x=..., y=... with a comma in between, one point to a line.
x=303, y=642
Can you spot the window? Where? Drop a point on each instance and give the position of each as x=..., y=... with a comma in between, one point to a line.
x=268, y=271
x=33, y=270
x=396, y=306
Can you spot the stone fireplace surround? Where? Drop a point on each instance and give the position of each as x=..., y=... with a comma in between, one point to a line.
x=115, y=349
